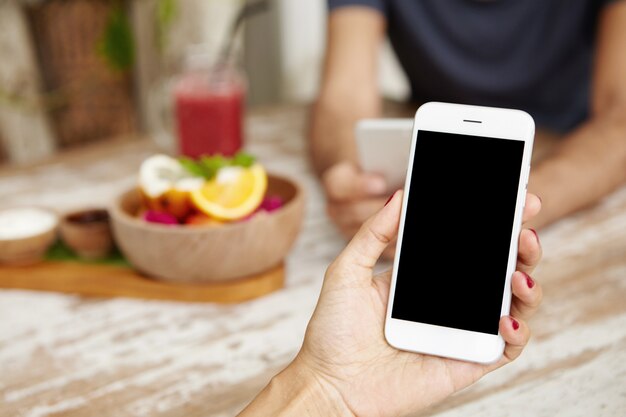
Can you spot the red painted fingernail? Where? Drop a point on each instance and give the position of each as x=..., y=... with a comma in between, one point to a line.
x=529, y=281
x=390, y=198
x=514, y=324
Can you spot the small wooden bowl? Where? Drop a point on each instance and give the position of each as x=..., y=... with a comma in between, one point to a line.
x=27, y=250
x=210, y=253
x=88, y=233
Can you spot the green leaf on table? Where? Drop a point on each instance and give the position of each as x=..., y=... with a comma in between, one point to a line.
x=59, y=252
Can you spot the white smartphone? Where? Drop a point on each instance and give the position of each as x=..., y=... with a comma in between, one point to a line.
x=457, y=243
x=383, y=147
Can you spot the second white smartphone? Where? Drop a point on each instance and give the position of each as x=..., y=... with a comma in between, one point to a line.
x=383, y=147
x=461, y=218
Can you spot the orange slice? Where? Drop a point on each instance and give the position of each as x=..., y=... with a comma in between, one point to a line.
x=235, y=193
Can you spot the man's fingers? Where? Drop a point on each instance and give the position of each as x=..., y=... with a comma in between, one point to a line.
x=532, y=207
x=373, y=237
x=354, y=212
x=348, y=231
x=343, y=182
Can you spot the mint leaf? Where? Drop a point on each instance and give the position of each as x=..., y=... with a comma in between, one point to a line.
x=192, y=167
x=208, y=166
x=212, y=164
x=243, y=159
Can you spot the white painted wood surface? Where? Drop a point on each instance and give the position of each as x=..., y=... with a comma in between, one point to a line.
x=67, y=356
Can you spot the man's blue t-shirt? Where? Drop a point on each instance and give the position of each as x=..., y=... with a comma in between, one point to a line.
x=534, y=55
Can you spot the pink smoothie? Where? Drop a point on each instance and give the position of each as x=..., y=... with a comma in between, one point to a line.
x=209, y=113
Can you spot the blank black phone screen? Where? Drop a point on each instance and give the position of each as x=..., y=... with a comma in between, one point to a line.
x=457, y=231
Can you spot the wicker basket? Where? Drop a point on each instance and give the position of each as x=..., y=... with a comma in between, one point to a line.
x=90, y=101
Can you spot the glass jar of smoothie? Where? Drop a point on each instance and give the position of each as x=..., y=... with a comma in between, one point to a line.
x=209, y=110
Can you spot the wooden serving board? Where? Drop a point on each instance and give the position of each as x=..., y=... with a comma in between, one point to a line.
x=101, y=280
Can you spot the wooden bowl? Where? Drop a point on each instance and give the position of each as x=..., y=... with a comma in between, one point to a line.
x=88, y=233
x=30, y=249
x=209, y=253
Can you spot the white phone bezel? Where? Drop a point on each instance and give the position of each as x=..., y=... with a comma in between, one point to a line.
x=490, y=122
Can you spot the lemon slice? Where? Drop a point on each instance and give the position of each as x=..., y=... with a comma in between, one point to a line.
x=233, y=194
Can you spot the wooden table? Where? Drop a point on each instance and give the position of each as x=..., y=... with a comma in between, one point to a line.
x=63, y=355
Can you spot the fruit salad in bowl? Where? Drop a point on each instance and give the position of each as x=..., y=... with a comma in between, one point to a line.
x=210, y=219
x=211, y=191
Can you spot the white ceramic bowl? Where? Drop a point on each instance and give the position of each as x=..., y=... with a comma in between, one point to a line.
x=26, y=233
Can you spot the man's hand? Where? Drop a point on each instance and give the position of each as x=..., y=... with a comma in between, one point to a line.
x=353, y=197
x=588, y=163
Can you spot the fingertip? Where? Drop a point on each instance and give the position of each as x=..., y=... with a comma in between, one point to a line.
x=522, y=285
x=387, y=219
x=514, y=331
x=530, y=240
x=339, y=180
x=529, y=251
x=394, y=204
x=532, y=206
x=533, y=202
x=528, y=293
x=390, y=213
x=334, y=170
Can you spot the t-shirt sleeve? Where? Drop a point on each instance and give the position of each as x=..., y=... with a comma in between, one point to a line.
x=375, y=4
x=602, y=3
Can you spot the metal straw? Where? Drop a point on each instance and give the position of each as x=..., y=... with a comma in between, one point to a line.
x=246, y=11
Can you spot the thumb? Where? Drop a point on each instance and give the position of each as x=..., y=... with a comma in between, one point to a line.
x=344, y=182
x=373, y=237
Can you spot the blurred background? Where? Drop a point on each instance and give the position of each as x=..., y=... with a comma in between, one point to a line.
x=88, y=70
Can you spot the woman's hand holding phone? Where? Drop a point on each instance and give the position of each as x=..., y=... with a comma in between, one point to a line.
x=345, y=366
